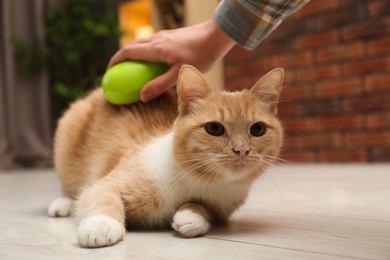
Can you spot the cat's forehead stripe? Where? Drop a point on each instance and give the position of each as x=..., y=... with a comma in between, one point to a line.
x=236, y=107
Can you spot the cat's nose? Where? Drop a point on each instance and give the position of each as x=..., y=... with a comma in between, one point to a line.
x=241, y=150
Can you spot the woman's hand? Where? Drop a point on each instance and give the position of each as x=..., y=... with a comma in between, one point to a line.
x=200, y=45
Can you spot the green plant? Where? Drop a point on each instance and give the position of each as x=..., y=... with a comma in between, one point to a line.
x=80, y=37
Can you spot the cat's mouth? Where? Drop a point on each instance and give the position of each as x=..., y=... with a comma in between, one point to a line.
x=237, y=169
x=239, y=163
x=243, y=163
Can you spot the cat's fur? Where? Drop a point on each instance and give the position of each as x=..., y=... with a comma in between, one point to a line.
x=155, y=165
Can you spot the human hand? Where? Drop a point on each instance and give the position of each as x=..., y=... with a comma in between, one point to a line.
x=200, y=45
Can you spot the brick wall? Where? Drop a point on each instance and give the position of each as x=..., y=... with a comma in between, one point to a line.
x=336, y=103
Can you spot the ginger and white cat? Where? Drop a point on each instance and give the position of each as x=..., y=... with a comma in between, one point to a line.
x=188, y=164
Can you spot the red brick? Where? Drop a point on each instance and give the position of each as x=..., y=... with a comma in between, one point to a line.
x=349, y=3
x=313, y=40
x=378, y=82
x=380, y=154
x=258, y=67
x=293, y=59
x=318, y=107
x=378, y=121
x=290, y=76
x=317, y=7
x=254, y=69
x=290, y=28
x=333, y=156
x=270, y=46
x=367, y=104
x=337, y=87
x=298, y=125
x=367, y=28
x=238, y=54
x=367, y=66
x=286, y=109
x=288, y=141
x=295, y=156
x=340, y=52
x=339, y=122
x=297, y=92
x=376, y=8
x=320, y=140
x=342, y=17
x=379, y=45
x=368, y=139
x=319, y=72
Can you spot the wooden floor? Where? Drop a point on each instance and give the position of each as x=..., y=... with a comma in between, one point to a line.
x=293, y=212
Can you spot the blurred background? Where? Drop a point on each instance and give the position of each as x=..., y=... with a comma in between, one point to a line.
x=336, y=54
x=336, y=103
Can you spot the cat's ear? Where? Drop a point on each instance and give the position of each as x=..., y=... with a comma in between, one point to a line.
x=190, y=87
x=269, y=87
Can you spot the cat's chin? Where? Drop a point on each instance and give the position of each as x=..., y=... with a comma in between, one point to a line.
x=238, y=171
x=238, y=164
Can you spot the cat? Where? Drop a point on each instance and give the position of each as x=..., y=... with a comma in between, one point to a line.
x=184, y=160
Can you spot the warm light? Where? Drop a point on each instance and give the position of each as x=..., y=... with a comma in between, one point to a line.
x=143, y=31
x=135, y=20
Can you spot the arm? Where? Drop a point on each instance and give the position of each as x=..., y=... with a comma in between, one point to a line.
x=248, y=22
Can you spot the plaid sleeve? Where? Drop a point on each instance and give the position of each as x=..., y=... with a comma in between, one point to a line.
x=248, y=22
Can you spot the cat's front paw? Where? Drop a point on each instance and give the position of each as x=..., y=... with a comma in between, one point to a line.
x=190, y=224
x=99, y=231
x=60, y=207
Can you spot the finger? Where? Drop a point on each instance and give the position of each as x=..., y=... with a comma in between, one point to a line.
x=160, y=84
x=135, y=51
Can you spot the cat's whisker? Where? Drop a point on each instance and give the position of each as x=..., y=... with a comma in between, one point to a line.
x=269, y=162
x=214, y=174
x=284, y=101
x=279, y=160
x=188, y=170
x=199, y=177
x=206, y=161
x=182, y=174
x=212, y=170
x=278, y=188
x=197, y=181
x=260, y=169
x=193, y=157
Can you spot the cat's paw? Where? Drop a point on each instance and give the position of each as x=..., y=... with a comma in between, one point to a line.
x=60, y=207
x=99, y=231
x=190, y=224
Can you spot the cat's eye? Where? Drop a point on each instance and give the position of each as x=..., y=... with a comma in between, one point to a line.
x=215, y=128
x=258, y=129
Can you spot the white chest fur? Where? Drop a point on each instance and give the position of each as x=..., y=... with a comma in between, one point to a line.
x=176, y=186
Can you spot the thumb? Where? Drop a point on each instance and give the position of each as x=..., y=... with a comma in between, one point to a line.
x=159, y=85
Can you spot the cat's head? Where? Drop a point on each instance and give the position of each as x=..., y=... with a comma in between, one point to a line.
x=230, y=135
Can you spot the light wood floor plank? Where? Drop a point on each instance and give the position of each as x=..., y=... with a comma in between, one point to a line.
x=293, y=212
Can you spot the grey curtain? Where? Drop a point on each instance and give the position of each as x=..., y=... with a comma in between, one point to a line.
x=25, y=135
